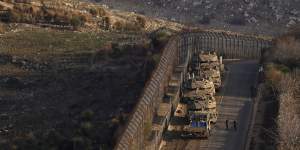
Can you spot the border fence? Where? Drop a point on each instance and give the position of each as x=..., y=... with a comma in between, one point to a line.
x=178, y=51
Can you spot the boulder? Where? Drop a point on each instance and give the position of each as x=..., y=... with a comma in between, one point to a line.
x=291, y=23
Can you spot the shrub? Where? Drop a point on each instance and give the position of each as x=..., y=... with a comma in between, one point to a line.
x=13, y=16
x=273, y=75
x=93, y=11
x=160, y=38
x=97, y=12
x=287, y=51
x=77, y=21
x=141, y=21
x=87, y=115
x=117, y=52
x=204, y=20
x=86, y=127
x=131, y=27
x=107, y=22
x=156, y=58
x=118, y=25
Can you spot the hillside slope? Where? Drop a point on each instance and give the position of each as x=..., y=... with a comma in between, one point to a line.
x=249, y=16
x=80, y=16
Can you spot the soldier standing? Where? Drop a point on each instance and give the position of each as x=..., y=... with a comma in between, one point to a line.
x=234, y=125
x=226, y=124
x=252, y=90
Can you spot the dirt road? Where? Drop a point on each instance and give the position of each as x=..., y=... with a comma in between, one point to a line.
x=234, y=104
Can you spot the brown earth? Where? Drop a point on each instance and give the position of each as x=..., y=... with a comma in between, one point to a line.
x=77, y=101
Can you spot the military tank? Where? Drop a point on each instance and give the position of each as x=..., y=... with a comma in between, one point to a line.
x=211, y=65
x=202, y=84
x=201, y=103
x=208, y=57
x=199, y=124
x=205, y=102
x=213, y=75
x=197, y=93
x=210, y=60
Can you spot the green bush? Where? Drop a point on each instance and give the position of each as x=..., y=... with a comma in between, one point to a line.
x=87, y=115
x=160, y=38
x=283, y=68
x=77, y=21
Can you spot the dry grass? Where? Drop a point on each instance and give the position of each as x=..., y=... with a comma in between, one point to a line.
x=283, y=58
x=27, y=13
x=286, y=50
x=286, y=57
x=41, y=44
x=288, y=122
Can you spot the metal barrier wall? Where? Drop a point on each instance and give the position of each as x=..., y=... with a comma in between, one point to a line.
x=178, y=51
x=133, y=136
x=226, y=45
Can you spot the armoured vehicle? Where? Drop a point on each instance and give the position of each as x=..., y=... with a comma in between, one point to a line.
x=212, y=65
x=205, y=103
x=207, y=66
x=213, y=75
x=202, y=84
x=200, y=92
x=199, y=124
x=209, y=60
x=197, y=93
x=208, y=57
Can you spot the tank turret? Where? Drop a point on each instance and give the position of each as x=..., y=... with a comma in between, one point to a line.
x=208, y=57
x=202, y=84
x=213, y=75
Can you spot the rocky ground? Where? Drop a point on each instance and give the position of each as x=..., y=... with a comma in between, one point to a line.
x=270, y=17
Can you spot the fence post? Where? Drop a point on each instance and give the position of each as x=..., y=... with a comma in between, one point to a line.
x=230, y=46
x=239, y=47
x=257, y=49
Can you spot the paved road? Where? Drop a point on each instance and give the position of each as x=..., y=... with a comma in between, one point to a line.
x=234, y=105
